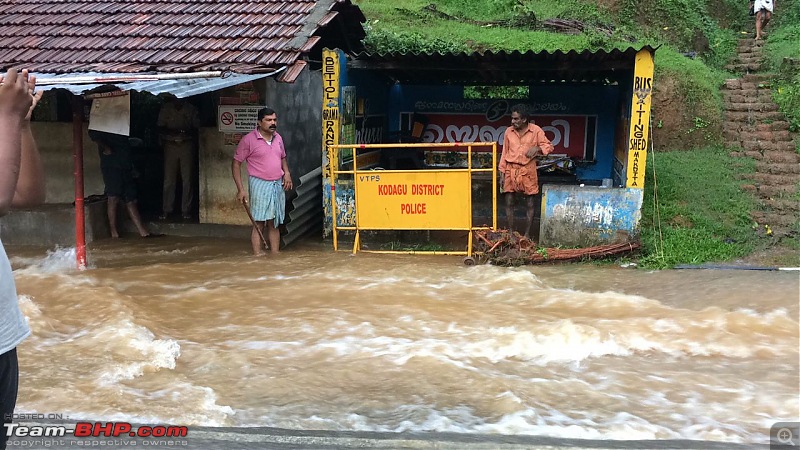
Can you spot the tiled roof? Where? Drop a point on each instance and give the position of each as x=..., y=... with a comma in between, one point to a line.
x=129, y=36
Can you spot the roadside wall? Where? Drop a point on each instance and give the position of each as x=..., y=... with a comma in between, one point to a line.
x=54, y=140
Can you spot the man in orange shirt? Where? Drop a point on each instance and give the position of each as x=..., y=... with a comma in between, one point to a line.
x=522, y=143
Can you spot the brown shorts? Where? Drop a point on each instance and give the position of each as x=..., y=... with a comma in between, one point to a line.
x=521, y=178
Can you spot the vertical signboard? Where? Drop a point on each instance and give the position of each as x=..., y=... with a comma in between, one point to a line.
x=639, y=136
x=330, y=129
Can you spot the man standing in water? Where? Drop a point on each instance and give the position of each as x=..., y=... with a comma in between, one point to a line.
x=117, y=168
x=269, y=178
x=522, y=143
x=21, y=184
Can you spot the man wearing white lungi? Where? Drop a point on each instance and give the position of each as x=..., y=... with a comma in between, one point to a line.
x=763, y=9
x=269, y=178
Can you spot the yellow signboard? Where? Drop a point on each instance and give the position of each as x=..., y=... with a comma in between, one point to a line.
x=640, y=119
x=330, y=108
x=424, y=200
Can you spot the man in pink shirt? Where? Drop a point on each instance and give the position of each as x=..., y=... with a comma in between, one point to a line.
x=522, y=143
x=269, y=178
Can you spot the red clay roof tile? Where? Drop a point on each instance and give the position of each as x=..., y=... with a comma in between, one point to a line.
x=246, y=36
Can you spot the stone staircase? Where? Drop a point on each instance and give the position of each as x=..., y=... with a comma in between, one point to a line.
x=754, y=124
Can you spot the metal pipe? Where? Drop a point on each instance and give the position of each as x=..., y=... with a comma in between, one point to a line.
x=77, y=156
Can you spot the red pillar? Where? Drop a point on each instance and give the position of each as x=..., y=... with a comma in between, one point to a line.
x=77, y=156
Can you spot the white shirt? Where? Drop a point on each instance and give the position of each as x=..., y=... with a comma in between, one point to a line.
x=13, y=326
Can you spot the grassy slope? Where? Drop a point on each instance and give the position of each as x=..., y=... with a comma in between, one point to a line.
x=701, y=212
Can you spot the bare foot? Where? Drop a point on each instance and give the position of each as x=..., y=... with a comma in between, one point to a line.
x=259, y=255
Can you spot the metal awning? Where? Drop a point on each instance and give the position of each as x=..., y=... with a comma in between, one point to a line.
x=179, y=84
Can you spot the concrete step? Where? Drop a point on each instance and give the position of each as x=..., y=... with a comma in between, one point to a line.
x=781, y=204
x=777, y=191
x=752, y=67
x=749, y=43
x=777, y=126
x=773, y=151
x=749, y=59
x=760, y=107
x=758, y=77
x=753, y=117
x=778, y=168
x=778, y=222
x=767, y=136
x=740, y=96
x=774, y=179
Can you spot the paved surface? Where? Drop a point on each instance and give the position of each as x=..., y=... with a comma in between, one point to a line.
x=281, y=439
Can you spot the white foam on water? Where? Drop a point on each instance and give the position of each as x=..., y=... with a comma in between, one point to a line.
x=136, y=350
x=58, y=260
x=182, y=404
x=551, y=423
x=564, y=340
x=170, y=252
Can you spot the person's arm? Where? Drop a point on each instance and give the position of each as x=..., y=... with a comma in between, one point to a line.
x=236, y=170
x=545, y=146
x=30, y=186
x=287, y=177
x=15, y=103
x=502, y=165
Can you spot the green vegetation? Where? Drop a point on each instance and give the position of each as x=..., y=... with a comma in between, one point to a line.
x=703, y=213
x=699, y=214
x=783, y=53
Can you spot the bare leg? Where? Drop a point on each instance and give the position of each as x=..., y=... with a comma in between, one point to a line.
x=529, y=200
x=133, y=211
x=510, y=210
x=274, y=236
x=759, y=17
x=255, y=239
x=766, y=18
x=111, y=210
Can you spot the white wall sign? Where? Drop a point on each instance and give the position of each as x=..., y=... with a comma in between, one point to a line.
x=111, y=112
x=237, y=118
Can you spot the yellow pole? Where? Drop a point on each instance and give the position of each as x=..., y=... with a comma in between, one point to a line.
x=494, y=185
x=334, y=172
x=357, y=242
x=469, y=190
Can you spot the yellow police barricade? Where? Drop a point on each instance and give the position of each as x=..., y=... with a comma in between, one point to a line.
x=421, y=199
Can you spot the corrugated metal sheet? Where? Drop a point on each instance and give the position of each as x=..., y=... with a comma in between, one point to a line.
x=180, y=88
x=501, y=67
x=306, y=214
x=246, y=36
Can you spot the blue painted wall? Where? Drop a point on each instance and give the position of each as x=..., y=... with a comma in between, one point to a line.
x=565, y=99
x=590, y=215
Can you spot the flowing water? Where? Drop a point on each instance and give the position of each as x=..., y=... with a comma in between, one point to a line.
x=195, y=331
